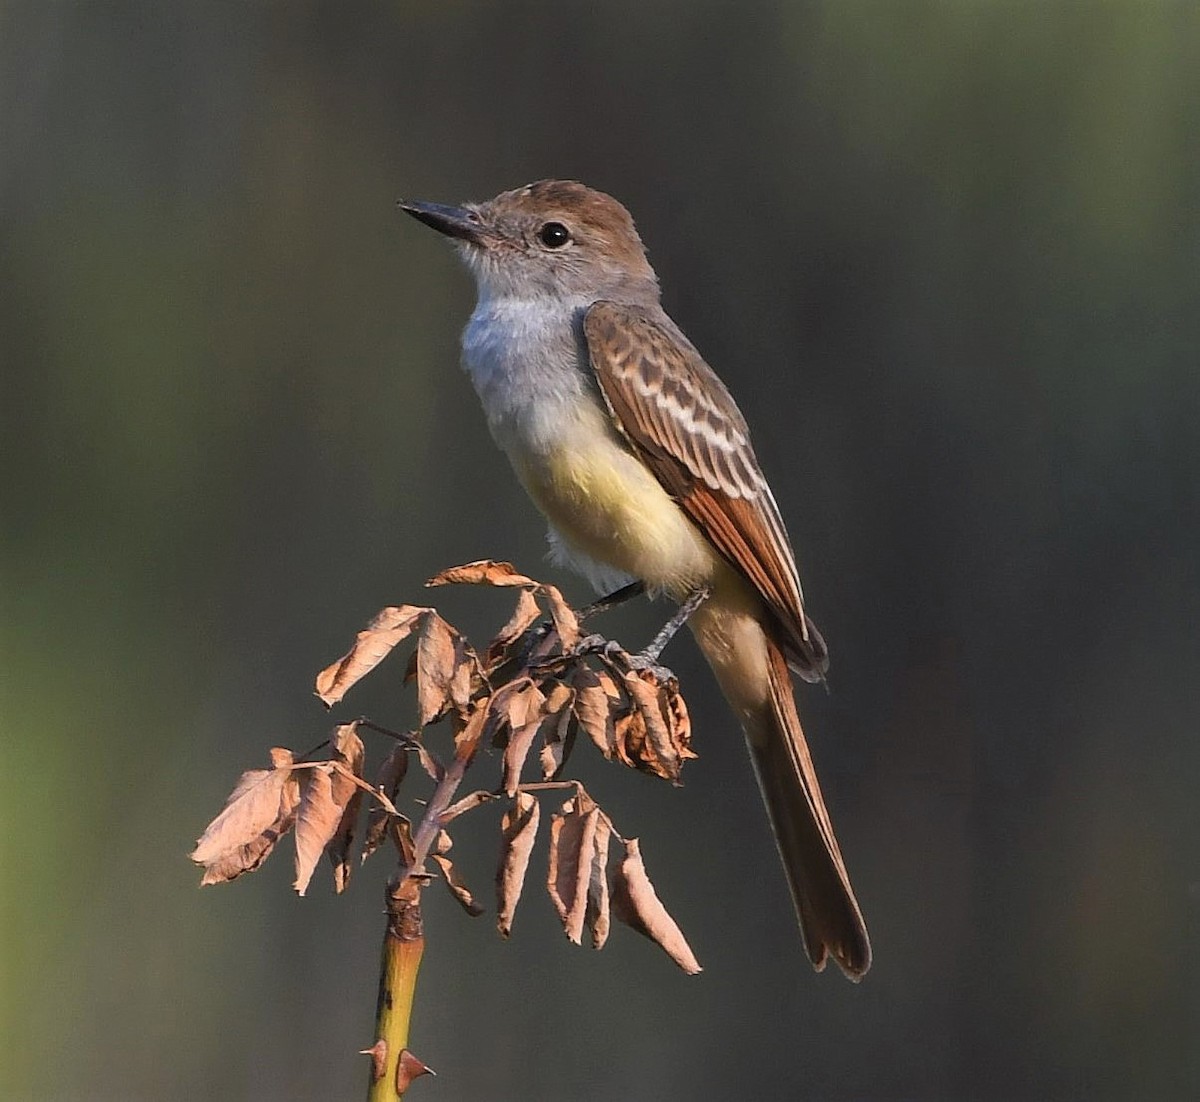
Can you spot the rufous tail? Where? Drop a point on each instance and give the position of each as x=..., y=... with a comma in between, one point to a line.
x=753, y=672
x=830, y=919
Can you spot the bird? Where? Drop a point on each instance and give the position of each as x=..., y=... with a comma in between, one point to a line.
x=639, y=458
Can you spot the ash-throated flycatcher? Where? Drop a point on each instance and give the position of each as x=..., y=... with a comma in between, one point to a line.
x=640, y=459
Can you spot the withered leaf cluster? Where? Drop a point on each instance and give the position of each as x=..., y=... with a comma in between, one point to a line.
x=318, y=801
x=538, y=684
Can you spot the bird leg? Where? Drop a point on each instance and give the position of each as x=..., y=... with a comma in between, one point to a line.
x=612, y=600
x=595, y=644
x=669, y=629
x=648, y=658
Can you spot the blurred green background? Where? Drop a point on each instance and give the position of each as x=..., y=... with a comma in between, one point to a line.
x=948, y=258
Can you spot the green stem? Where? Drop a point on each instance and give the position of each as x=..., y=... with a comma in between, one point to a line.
x=403, y=946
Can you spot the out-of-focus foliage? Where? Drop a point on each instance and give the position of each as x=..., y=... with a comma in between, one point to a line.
x=946, y=256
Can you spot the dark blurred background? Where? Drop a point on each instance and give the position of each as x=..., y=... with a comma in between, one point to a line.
x=946, y=255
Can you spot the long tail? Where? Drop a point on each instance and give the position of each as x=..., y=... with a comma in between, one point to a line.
x=829, y=915
x=753, y=674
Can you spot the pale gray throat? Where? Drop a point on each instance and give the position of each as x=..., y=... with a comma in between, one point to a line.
x=526, y=359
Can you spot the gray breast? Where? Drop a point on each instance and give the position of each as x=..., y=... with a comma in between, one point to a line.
x=524, y=357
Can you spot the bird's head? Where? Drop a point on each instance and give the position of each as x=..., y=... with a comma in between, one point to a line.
x=552, y=238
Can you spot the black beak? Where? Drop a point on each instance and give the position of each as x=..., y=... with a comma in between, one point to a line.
x=452, y=221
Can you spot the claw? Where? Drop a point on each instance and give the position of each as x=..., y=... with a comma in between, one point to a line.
x=646, y=663
x=590, y=644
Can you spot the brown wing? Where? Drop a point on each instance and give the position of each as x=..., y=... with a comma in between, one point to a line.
x=678, y=416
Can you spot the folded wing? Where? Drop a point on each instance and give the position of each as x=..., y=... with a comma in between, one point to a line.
x=678, y=416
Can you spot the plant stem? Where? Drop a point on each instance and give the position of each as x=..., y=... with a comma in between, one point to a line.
x=403, y=946
x=404, y=942
x=443, y=796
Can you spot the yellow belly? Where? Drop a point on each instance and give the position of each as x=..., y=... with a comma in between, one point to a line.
x=606, y=503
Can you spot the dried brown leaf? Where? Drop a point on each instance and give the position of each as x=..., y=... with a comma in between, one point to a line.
x=519, y=831
x=457, y=887
x=550, y=755
x=317, y=820
x=400, y=831
x=481, y=572
x=635, y=902
x=558, y=698
x=429, y=763
x=347, y=746
x=680, y=720
x=593, y=708
x=610, y=685
x=372, y=645
x=522, y=712
x=464, y=678
x=659, y=754
x=468, y=732
x=518, y=703
x=629, y=737
x=454, y=882
x=391, y=775
x=347, y=750
x=247, y=858
x=572, y=834
x=559, y=740
x=565, y=620
x=543, y=644
x=252, y=807
x=597, y=915
x=436, y=663
x=515, y=753
x=522, y=619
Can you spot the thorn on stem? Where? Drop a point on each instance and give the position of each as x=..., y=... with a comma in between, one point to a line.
x=408, y=1068
x=378, y=1054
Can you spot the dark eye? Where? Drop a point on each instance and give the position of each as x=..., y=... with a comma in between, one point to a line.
x=554, y=235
